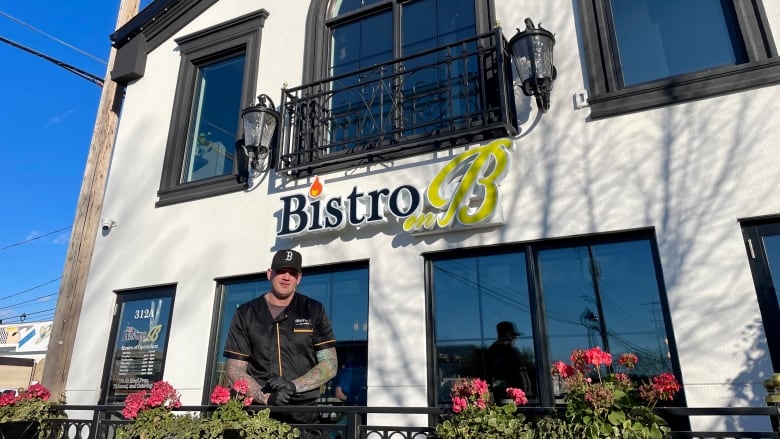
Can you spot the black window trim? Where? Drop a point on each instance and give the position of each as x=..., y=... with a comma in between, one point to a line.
x=753, y=232
x=240, y=35
x=531, y=249
x=607, y=98
x=129, y=295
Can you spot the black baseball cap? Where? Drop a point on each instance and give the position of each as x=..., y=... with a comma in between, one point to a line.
x=507, y=329
x=287, y=259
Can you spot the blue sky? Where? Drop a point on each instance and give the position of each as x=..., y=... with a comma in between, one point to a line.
x=46, y=120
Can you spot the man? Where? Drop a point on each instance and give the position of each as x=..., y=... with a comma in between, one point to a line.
x=505, y=363
x=282, y=343
x=350, y=383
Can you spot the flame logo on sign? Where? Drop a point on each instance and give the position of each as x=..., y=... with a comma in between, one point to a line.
x=316, y=188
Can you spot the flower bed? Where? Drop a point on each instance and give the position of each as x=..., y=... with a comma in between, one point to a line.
x=25, y=411
x=597, y=405
x=151, y=413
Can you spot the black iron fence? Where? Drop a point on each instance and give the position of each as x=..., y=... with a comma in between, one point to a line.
x=348, y=422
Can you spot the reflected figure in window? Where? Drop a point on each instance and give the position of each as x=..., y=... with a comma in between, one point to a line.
x=349, y=386
x=350, y=383
x=505, y=363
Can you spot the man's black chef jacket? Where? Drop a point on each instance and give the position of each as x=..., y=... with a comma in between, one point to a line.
x=285, y=346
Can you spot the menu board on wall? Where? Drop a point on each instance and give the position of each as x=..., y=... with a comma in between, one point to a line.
x=139, y=346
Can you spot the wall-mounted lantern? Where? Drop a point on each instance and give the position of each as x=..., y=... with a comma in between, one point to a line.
x=532, y=56
x=259, y=124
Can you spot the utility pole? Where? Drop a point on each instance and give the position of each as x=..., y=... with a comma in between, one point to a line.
x=85, y=224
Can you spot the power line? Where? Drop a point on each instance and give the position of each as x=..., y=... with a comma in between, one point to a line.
x=28, y=301
x=23, y=316
x=30, y=289
x=53, y=38
x=75, y=70
x=34, y=237
x=42, y=319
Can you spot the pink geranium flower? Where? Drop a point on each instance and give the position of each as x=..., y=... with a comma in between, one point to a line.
x=459, y=404
x=220, y=395
x=241, y=386
x=162, y=394
x=563, y=369
x=134, y=403
x=597, y=357
x=517, y=395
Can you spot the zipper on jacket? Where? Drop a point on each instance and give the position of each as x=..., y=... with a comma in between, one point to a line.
x=278, y=348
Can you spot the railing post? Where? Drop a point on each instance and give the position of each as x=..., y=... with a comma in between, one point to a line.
x=772, y=399
x=353, y=423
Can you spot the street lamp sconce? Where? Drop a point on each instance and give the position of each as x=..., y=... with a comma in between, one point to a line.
x=532, y=56
x=259, y=123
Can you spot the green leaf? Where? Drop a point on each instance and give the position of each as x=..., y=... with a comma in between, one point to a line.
x=616, y=417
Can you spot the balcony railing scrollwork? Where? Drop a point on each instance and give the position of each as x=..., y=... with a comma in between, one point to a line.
x=455, y=94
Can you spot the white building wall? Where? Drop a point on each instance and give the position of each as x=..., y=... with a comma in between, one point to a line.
x=689, y=170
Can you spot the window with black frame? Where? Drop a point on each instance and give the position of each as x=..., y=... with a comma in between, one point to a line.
x=762, y=243
x=217, y=76
x=343, y=290
x=648, y=53
x=391, y=78
x=602, y=291
x=496, y=287
x=373, y=105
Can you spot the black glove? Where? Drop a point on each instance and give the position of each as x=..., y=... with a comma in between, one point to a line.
x=279, y=383
x=280, y=397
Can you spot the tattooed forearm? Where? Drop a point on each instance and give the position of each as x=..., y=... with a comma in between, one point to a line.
x=236, y=370
x=321, y=373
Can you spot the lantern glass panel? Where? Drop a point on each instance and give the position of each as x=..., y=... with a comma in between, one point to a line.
x=259, y=127
x=542, y=46
x=522, y=58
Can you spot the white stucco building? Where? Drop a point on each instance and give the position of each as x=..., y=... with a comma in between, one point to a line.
x=639, y=213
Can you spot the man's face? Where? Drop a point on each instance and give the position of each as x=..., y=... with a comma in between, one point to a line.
x=284, y=281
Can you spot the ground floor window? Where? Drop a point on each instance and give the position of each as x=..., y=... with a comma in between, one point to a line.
x=762, y=242
x=343, y=290
x=507, y=313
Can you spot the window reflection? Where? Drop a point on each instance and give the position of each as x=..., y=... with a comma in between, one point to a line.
x=372, y=107
x=772, y=246
x=605, y=295
x=472, y=296
x=211, y=145
x=658, y=39
x=602, y=294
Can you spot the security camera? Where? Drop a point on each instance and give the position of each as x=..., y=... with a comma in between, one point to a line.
x=108, y=224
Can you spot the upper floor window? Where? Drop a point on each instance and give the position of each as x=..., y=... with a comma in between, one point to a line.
x=648, y=53
x=212, y=132
x=656, y=39
x=390, y=76
x=217, y=76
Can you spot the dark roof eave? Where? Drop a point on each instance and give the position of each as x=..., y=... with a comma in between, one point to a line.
x=138, y=23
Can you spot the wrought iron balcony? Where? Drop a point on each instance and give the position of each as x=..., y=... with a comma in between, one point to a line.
x=455, y=94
